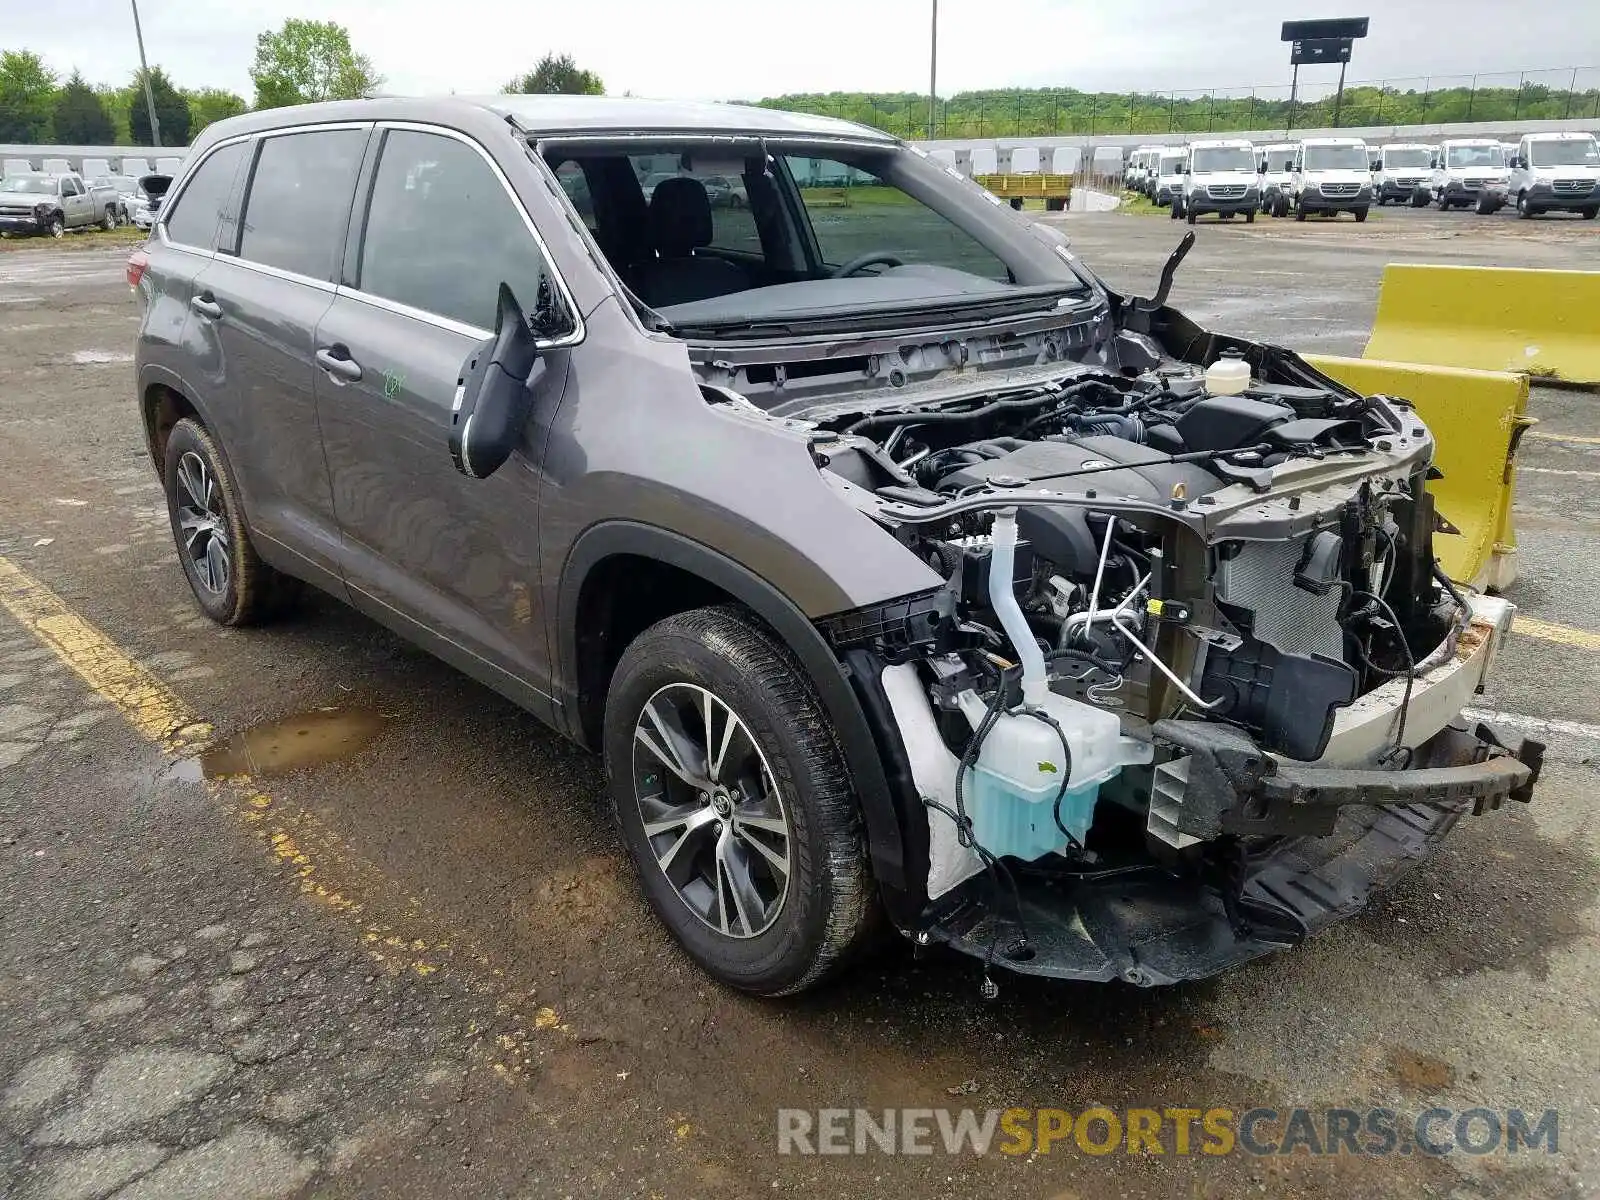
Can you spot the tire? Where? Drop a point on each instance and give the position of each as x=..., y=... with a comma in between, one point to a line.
x=1189, y=213
x=1281, y=208
x=1176, y=211
x=1525, y=210
x=230, y=582
x=1250, y=216
x=108, y=219
x=805, y=928
x=1419, y=199
x=1360, y=214
x=57, y=227
x=1591, y=212
x=1299, y=210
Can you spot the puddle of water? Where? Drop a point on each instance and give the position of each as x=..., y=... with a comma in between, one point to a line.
x=91, y=358
x=307, y=739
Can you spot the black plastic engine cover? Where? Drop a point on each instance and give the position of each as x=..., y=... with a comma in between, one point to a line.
x=1228, y=422
x=1061, y=535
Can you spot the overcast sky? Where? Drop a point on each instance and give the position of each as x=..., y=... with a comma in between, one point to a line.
x=724, y=49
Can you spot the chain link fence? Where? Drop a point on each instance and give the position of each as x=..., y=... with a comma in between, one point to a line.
x=1565, y=93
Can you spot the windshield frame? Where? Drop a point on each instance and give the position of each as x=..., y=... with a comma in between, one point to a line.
x=1422, y=154
x=1243, y=156
x=1360, y=158
x=1492, y=149
x=1590, y=160
x=1039, y=266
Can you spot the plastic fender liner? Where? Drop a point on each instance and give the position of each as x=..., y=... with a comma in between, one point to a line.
x=1235, y=787
x=1491, y=318
x=1477, y=419
x=885, y=834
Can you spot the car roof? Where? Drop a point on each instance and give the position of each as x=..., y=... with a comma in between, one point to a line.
x=1221, y=144
x=553, y=115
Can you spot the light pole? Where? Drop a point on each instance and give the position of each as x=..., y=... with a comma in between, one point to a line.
x=933, y=69
x=144, y=73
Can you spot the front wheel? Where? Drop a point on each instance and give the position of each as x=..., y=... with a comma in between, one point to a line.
x=1419, y=199
x=1189, y=213
x=734, y=802
x=1299, y=210
x=1591, y=212
x=1360, y=214
x=1525, y=209
x=57, y=228
x=1250, y=216
x=230, y=582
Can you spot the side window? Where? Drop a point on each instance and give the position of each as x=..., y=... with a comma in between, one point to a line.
x=442, y=233
x=576, y=185
x=192, y=219
x=300, y=192
x=69, y=187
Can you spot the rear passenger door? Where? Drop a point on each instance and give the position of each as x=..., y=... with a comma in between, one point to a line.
x=451, y=562
x=260, y=300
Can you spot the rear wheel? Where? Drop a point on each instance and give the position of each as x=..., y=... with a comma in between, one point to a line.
x=733, y=800
x=108, y=219
x=230, y=582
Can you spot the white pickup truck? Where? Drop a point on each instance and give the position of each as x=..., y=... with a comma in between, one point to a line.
x=40, y=203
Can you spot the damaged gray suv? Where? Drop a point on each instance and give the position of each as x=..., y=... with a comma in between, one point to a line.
x=896, y=564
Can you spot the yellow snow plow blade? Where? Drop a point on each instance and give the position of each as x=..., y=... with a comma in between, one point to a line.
x=1477, y=418
x=1546, y=323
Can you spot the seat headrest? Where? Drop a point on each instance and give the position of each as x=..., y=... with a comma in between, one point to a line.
x=680, y=216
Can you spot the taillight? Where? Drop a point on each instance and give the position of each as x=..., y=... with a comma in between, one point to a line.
x=137, y=262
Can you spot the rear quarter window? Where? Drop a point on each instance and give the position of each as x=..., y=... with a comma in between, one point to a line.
x=192, y=219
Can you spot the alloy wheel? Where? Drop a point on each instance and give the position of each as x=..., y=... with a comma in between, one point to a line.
x=711, y=810
x=203, y=522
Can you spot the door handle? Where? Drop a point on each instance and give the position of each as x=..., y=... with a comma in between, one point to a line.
x=206, y=306
x=336, y=361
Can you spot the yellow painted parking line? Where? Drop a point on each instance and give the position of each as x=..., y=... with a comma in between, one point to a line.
x=302, y=842
x=1563, y=635
x=1562, y=437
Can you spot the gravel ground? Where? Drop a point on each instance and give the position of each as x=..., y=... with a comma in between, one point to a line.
x=413, y=960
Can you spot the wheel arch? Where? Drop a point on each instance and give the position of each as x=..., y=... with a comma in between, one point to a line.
x=675, y=573
x=163, y=402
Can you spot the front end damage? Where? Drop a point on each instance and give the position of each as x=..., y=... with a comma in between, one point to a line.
x=1192, y=687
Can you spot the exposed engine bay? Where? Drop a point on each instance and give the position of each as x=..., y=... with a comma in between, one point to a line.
x=1166, y=576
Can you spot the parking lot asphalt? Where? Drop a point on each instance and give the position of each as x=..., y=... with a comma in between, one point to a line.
x=405, y=955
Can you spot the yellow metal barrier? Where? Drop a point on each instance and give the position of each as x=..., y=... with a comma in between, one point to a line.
x=1546, y=323
x=1477, y=419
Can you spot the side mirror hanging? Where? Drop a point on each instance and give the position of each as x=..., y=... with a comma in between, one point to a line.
x=493, y=400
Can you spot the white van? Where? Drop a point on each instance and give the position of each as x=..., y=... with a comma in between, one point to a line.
x=1463, y=167
x=1401, y=173
x=1141, y=166
x=1168, y=179
x=1272, y=171
x=1221, y=179
x=1330, y=176
x=1555, y=171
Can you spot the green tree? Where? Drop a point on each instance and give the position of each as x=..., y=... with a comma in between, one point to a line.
x=27, y=95
x=172, y=111
x=118, y=103
x=558, y=74
x=80, y=117
x=307, y=61
x=212, y=104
